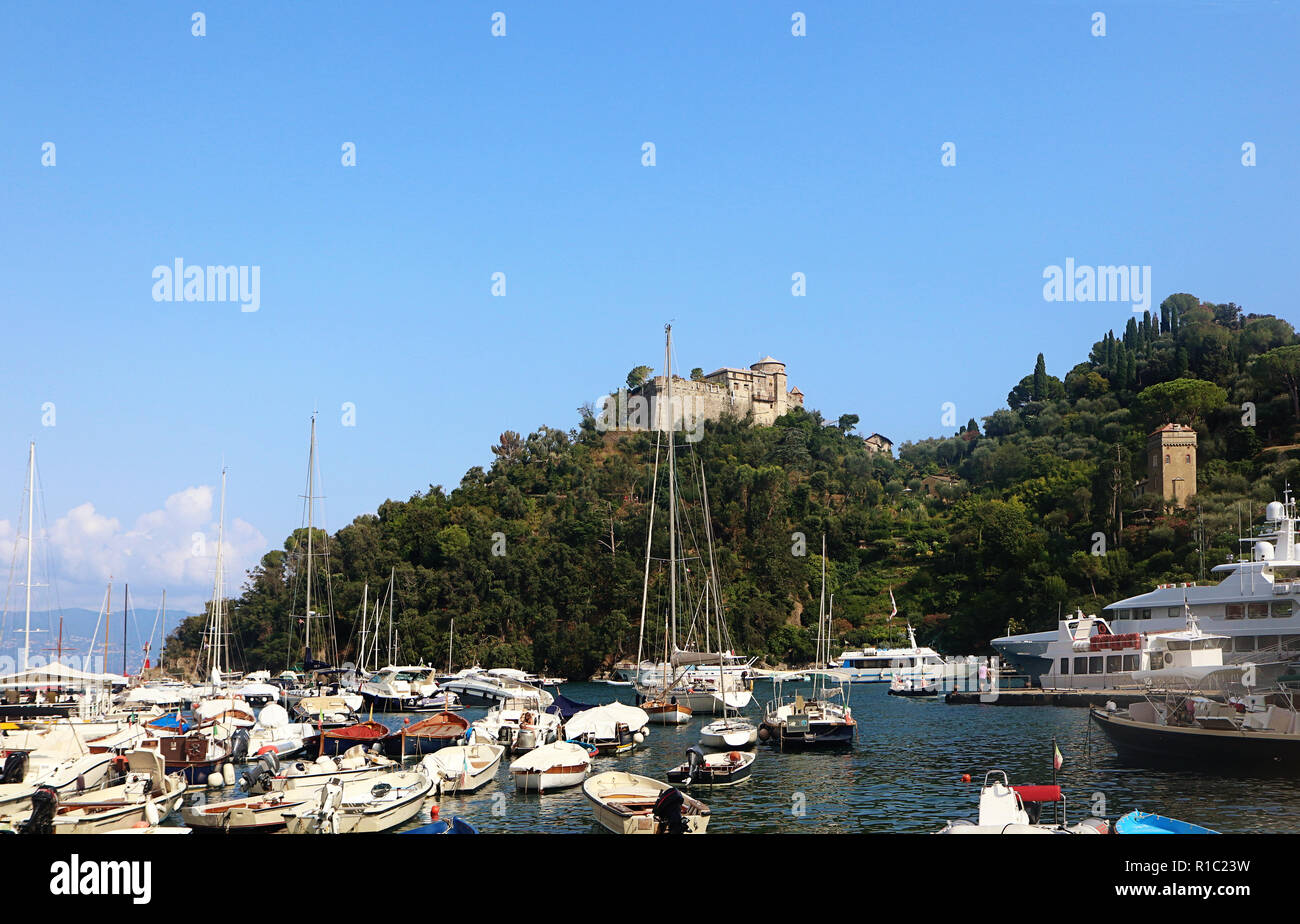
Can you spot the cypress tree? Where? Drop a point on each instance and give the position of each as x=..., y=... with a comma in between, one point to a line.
x=1040, y=379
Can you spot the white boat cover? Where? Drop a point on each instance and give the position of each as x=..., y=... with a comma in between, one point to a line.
x=601, y=721
x=556, y=754
x=1193, y=675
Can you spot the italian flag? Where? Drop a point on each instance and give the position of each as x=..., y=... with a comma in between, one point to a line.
x=1057, y=759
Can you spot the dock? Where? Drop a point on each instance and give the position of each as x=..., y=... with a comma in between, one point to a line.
x=1076, y=698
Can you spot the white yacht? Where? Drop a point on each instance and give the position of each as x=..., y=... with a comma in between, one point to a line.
x=882, y=665
x=476, y=689
x=399, y=688
x=1254, y=606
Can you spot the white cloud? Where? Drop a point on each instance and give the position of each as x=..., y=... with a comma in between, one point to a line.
x=172, y=547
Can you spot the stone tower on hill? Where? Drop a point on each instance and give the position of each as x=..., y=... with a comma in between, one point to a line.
x=762, y=388
x=1171, y=464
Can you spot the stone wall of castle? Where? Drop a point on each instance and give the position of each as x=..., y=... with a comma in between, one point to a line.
x=761, y=388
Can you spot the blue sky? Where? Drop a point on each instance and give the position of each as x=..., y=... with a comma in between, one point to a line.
x=522, y=154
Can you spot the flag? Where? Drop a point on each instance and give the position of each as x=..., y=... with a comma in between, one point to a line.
x=893, y=607
x=1057, y=759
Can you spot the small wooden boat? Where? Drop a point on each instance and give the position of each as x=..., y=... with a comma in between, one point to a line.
x=702, y=769
x=362, y=807
x=629, y=804
x=667, y=712
x=552, y=766
x=337, y=740
x=254, y=813
x=463, y=768
x=427, y=735
x=729, y=734
x=1150, y=823
x=196, y=755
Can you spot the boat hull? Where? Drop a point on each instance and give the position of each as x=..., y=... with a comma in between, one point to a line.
x=1147, y=744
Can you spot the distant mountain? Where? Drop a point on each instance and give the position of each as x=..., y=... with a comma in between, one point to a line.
x=79, y=628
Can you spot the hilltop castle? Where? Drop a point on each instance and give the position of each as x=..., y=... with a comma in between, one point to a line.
x=761, y=388
x=1171, y=464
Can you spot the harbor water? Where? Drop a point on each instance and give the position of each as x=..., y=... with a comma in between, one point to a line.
x=903, y=775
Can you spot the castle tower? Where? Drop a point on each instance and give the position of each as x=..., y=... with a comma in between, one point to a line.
x=774, y=372
x=1171, y=463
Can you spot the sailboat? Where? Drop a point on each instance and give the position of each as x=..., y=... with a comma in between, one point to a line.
x=682, y=683
x=818, y=721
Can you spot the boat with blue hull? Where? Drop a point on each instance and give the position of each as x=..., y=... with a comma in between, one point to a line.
x=1136, y=822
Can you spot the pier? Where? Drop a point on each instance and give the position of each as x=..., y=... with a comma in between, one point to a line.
x=1027, y=697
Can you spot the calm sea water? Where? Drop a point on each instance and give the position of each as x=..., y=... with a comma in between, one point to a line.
x=902, y=775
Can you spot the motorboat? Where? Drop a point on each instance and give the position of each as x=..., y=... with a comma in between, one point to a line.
x=357, y=764
x=917, y=686
x=361, y=806
x=485, y=689
x=326, y=711
x=398, y=689
x=1006, y=809
x=882, y=665
x=194, y=755
x=517, y=727
x=25, y=773
x=718, y=769
x=147, y=793
x=626, y=803
x=367, y=734
x=463, y=768
x=553, y=766
x=457, y=825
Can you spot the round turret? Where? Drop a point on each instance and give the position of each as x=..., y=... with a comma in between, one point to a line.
x=769, y=365
x=1274, y=511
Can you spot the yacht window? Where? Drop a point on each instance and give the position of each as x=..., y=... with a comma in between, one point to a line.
x=1268, y=641
x=1257, y=610
x=1243, y=643
x=1081, y=665
x=377, y=677
x=1130, y=662
x=1234, y=611
x=1175, y=612
x=1146, y=613
x=1065, y=665
x=1094, y=665
x=1114, y=663
x=1281, y=609
x=1175, y=644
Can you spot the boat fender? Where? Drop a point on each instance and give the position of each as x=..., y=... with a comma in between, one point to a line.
x=764, y=733
x=151, y=814
x=228, y=774
x=215, y=781
x=639, y=738
x=734, y=757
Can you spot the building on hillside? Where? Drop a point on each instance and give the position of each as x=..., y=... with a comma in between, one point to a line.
x=1171, y=464
x=762, y=389
x=877, y=443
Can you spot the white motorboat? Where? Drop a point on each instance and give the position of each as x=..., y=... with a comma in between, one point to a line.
x=77, y=774
x=399, y=689
x=728, y=768
x=519, y=728
x=626, y=804
x=1006, y=809
x=882, y=665
x=274, y=732
x=550, y=767
x=479, y=689
x=146, y=794
x=361, y=806
x=356, y=764
x=464, y=767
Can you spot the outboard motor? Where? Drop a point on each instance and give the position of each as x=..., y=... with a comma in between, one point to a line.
x=668, y=812
x=239, y=744
x=45, y=803
x=694, y=761
x=15, y=767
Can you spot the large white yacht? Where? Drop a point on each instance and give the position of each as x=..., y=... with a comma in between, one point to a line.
x=1255, y=605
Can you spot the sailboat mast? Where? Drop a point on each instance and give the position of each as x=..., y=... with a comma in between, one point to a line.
x=31, y=505
x=365, y=605
x=392, y=579
x=126, y=608
x=311, y=486
x=450, y=640
x=645, y=585
x=219, y=660
x=108, y=622
x=672, y=492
